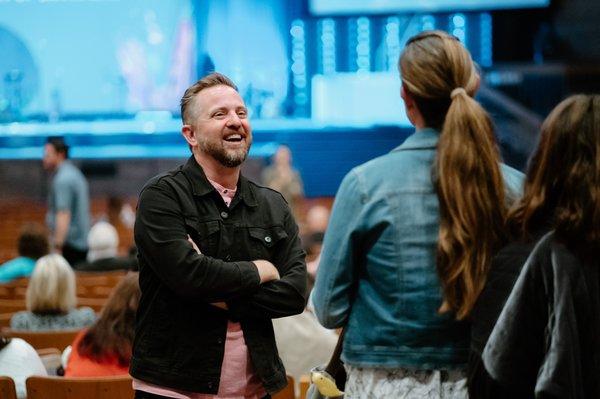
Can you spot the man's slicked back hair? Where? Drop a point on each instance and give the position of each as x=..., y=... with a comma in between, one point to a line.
x=210, y=80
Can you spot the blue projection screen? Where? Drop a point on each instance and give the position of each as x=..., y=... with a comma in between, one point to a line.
x=330, y=7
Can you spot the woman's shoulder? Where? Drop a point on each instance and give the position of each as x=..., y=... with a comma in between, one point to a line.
x=20, y=345
x=21, y=350
x=21, y=320
x=85, y=314
x=83, y=310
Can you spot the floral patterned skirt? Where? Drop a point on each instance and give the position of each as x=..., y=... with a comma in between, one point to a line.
x=378, y=383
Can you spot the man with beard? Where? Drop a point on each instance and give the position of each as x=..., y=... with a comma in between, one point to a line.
x=219, y=258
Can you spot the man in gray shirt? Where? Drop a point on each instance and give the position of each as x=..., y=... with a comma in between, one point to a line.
x=68, y=215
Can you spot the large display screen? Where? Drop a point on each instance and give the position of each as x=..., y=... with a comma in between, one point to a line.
x=341, y=7
x=101, y=56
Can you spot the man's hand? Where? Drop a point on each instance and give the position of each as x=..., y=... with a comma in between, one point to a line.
x=63, y=219
x=194, y=245
x=266, y=270
x=221, y=305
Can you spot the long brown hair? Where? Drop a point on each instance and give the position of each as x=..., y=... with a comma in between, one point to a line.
x=439, y=74
x=562, y=187
x=112, y=334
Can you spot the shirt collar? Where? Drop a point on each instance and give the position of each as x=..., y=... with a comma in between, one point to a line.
x=64, y=164
x=426, y=138
x=201, y=186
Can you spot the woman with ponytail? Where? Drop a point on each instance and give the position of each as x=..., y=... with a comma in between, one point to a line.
x=412, y=234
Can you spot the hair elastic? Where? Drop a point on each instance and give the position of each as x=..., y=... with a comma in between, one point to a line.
x=457, y=91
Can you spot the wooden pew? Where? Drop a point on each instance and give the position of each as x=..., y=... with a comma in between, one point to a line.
x=59, y=339
x=89, y=388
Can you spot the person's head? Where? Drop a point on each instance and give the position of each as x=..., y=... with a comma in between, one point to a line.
x=439, y=80
x=562, y=187
x=33, y=241
x=103, y=241
x=112, y=334
x=55, y=152
x=317, y=218
x=51, y=287
x=435, y=69
x=283, y=156
x=215, y=121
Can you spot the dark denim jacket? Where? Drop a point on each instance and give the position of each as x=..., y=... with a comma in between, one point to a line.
x=377, y=273
x=180, y=336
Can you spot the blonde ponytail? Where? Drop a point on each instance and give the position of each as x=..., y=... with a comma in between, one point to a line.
x=471, y=195
x=467, y=174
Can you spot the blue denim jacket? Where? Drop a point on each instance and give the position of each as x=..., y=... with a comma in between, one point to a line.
x=377, y=274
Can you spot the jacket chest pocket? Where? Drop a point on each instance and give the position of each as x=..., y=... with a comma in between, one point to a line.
x=265, y=240
x=205, y=234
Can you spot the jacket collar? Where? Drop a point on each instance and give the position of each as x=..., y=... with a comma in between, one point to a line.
x=425, y=138
x=201, y=186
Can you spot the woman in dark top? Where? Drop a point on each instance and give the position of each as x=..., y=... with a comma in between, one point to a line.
x=561, y=193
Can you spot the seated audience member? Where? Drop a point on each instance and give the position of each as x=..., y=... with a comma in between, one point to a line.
x=51, y=299
x=18, y=360
x=303, y=343
x=105, y=348
x=103, y=244
x=318, y=342
x=121, y=215
x=317, y=219
x=546, y=342
x=32, y=244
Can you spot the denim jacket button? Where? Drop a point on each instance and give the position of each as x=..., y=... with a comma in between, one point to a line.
x=224, y=215
x=268, y=239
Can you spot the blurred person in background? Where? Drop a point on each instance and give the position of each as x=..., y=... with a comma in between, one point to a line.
x=103, y=245
x=546, y=341
x=18, y=360
x=282, y=177
x=68, y=215
x=32, y=244
x=317, y=219
x=121, y=215
x=51, y=300
x=104, y=349
x=412, y=233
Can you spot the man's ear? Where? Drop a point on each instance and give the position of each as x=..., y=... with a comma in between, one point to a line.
x=189, y=134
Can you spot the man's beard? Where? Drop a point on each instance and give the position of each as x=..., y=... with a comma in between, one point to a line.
x=227, y=158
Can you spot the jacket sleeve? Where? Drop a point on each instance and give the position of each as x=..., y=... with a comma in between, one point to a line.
x=161, y=238
x=283, y=297
x=572, y=327
x=515, y=349
x=336, y=275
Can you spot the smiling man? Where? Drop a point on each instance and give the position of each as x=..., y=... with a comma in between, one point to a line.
x=219, y=258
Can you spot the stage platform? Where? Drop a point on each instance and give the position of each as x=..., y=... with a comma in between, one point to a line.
x=322, y=153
